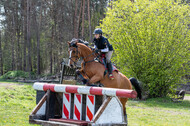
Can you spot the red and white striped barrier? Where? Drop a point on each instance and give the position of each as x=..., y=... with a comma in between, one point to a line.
x=66, y=105
x=77, y=107
x=85, y=90
x=90, y=107
x=90, y=92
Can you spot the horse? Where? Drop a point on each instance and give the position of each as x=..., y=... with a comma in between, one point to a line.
x=92, y=71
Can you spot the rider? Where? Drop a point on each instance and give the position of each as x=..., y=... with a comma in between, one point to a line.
x=102, y=44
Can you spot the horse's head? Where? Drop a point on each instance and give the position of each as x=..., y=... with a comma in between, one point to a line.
x=79, y=48
x=74, y=53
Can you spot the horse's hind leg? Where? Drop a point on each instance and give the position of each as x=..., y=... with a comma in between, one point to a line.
x=123, y=102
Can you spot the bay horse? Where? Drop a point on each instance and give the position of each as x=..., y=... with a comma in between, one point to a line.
x=92, y=71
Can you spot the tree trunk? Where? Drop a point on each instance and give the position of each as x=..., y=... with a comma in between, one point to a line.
x=18, y=51
x=83, y=19
x=38, y=26
x=50, y=52
x=17, y=35
x=77, y=35
x=1, y=56
x=12, y=44
x=75, y=18
x=89, y=21
x=25, y=35
x=29, y=68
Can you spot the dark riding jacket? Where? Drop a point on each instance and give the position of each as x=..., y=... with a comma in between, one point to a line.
x=103, y=44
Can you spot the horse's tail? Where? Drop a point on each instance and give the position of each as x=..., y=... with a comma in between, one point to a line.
x=137, y=87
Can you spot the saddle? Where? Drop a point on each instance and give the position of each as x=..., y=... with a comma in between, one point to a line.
x=102, y=60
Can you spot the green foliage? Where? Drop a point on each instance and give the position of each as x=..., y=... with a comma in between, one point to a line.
x=15, y=74
x=151, y=41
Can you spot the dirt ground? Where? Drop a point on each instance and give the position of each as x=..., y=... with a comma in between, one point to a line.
x=8, y=84
x=187, y=98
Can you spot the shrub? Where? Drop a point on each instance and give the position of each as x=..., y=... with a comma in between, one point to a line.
x=15, y=74
x=151, y=41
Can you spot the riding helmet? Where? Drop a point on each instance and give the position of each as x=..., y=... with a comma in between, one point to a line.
x=97, y=31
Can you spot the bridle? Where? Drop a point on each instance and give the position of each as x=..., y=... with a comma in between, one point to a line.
x=76, y=56
x=84, y=63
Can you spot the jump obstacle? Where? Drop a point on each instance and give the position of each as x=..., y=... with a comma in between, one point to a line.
x=79, y=105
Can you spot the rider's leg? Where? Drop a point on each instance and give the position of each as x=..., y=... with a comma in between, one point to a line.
x=109, y=64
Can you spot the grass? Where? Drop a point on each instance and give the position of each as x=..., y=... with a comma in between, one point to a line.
x=187, y=94
x=158, y=112
x=17, y=102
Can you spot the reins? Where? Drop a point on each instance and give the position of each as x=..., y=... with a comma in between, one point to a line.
x=84, y=63
x=82, y=57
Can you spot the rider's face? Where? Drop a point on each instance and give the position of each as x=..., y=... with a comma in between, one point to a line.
x=97, y=36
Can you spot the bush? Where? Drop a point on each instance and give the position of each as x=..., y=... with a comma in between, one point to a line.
x=151, y=41
x=15, y=75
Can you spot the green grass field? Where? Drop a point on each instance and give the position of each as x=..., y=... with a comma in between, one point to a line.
x=187, y=94
x=158, y=112
x=17, y=102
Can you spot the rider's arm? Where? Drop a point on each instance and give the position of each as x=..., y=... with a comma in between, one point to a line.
x=106, y=49
x=95, y=46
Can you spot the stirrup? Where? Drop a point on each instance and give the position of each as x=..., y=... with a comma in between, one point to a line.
x=111, y=76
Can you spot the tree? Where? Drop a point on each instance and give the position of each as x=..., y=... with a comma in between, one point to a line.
x=89, y=21
x=35, y=33
x=1, y=56
x=75, y=19
x=78, y=23
x=83, y=19
x=38, y=25
x=151, y=41
x=29, y=66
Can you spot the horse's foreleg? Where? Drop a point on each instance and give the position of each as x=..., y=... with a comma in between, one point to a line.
x=81, y=75
x=95, y=79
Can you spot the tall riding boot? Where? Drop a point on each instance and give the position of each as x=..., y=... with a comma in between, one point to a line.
x=110, y=70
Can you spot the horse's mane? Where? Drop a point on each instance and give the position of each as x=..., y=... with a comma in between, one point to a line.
x=74, y=40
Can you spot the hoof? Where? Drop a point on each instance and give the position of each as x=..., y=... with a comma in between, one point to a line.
x=92, y=85
x=85, y=81
x=100, y=85
x=77, y=72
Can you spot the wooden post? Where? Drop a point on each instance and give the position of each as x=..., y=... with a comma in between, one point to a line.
x=40, y=103
x=101, y=109
x=50, y=104
x=47, y=105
